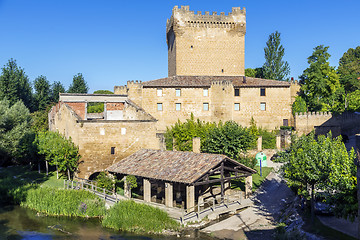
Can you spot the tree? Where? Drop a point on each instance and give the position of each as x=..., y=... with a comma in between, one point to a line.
x=103, y=92
x=78, y=85
x=58, y=151
x=56, y=88
x=349, y=69
x=16, y=136
x=321, y=164
x=15, y=85
x=254, y=72
x=275, y=67
x=320, y=85
x=353, y=100
x=299, y=105
x=42, y=93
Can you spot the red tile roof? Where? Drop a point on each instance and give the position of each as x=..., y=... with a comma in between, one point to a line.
x=205, y=81
x=173, y=166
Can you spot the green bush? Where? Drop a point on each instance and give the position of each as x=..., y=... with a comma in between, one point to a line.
x=248, y=161
x=134, y=217
x=64, y=202
x=105, y=181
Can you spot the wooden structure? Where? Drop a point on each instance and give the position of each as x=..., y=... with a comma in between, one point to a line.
x=185, y=173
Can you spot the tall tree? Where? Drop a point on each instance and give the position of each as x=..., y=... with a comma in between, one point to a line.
x=15, y=84
x=78, y=85
x=275, y=67
x=42, y=93
x=349, y=69
x=56, y=88
x=254, y=72
x=320, y=85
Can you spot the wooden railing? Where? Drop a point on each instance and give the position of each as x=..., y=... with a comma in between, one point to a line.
x=88, y=185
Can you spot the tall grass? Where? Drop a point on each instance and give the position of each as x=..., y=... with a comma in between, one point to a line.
x=64, y=202
x=135, y=217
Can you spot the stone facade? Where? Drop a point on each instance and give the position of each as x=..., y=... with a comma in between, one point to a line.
x=102, y=142
x=203, y=44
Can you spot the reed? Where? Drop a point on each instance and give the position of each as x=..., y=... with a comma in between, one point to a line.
x=135, y=217
x=64, y=202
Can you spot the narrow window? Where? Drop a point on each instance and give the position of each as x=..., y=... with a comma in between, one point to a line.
x=263, y=106
x=237, y=106
x=178, y=92
x=222, y=70
x=262, y=92
x=159, y=107
x=206, y=106
x=286, y=122
x=177, y=106
x=159, y=92
x=205, y=92
x=112, y=150
x=237, y=92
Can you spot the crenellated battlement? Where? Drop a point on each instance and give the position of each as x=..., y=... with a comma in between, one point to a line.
x=221, y=83
x=306, y=114
x=183, y=17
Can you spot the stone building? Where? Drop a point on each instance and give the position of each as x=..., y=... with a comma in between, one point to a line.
x=103, y=138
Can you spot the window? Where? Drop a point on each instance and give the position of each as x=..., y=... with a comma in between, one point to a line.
x=262, y=92
x=159, y=107
x=205, y=92
x=286, y=122
x=236, y=106
x=206, y=106
x=237, y=92
x=177, y=106
x=178, y=92
x=112, y=150
x=159, y=92
x=263, y=106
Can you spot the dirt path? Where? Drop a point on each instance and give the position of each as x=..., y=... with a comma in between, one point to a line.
x=257, y=222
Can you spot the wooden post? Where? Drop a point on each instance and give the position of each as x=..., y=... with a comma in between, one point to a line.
x=147, y=190
x=190, y=197
x=222, y=179
x=259, y=143
x=169, y=193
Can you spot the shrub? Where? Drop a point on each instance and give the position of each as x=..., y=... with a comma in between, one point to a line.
x=105, y=181
x=134, y=217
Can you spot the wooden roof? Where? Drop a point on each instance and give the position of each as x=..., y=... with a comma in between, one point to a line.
x=173, y=166
x=205, y=81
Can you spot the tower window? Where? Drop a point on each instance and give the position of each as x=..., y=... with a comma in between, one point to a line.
x=178, y=92
x=206, y=106
x=191, y=47
x=205, y=92
x=112, y=150
x=263, y=106
x=159, y=92
x=237, y=92
x=222, y=70
x=159, y=107
x=236, y=106
x=262, y=92
x=178, y=106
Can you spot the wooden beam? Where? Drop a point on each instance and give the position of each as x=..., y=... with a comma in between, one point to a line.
x=222, y=179
x=218, y=180
x=235, y=170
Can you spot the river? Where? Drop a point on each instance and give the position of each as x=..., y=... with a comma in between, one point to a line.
x=21, y=223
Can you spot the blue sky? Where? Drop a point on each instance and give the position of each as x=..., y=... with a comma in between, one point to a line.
x=113, y=41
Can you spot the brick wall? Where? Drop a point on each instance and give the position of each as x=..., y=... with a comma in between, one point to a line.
x=114, y=106
x=79, y=108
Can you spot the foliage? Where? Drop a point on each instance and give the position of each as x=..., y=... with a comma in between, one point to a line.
x=131, y=181
x=299, y=105
x=16, y=136
x=323, y=164
x=56, y=88
x=64, y=202
x=353, y=100
x=320, y=85
x=59, y=151
x=105, y=181
x=78, y=85
x=254, y=72
x=282, y=234
x=275, y=67
x=268, y=138
x=103, y=92
x=247, y=161
x=349, y=69
x=95, y=107
x=134, y=217
x=42, y=93
x=40, y=120
x=229, y=139
x=15, y=85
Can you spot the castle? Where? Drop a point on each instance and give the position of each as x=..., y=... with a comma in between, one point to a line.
x=206, y=55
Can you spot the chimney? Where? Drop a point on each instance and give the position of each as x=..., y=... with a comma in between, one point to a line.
x=196, y=145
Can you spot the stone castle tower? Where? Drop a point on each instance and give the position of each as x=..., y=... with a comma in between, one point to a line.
x=206, y=45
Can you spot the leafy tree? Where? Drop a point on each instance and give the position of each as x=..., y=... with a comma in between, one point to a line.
x=58, y=151
x=105, y=181
x=16, y=136
x=254, y=72
x=322, y=164
x=78, y=85
x=275, y=67
x=349, y=69
x=56, y=88
x=15, y=85
x=353, y=100
x=299, y=105
x=229, y=139
x=103, y=92
x=320, y=85
x=42, y=92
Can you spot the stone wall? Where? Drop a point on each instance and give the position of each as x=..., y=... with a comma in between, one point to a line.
x=203, y=44
x=96, y=138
